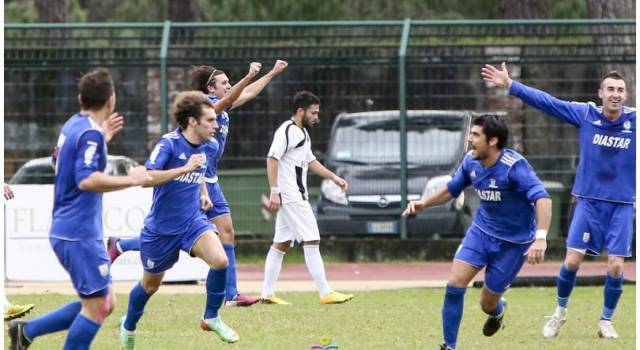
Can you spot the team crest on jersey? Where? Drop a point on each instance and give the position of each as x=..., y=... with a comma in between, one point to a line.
x=585, y=237
x=627, y=126
x=597, y=122
x=492, y=183
x=104, y=270
x=473, y=173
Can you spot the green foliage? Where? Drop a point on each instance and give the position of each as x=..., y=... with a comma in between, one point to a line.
x=284, y=10
x=391, y=319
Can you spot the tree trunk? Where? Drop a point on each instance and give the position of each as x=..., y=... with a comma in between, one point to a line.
x=616, y=44
x=525, y=9
x=52, y=11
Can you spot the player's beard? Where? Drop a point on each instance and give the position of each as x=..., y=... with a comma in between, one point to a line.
x=309, y=124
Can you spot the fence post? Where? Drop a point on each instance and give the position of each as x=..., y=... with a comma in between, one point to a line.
x=402, y=106
x=164, y=89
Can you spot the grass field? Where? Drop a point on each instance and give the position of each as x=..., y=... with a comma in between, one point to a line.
x=399, y=319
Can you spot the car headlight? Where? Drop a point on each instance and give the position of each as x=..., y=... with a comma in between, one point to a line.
x=332, y=192
x=435, y=183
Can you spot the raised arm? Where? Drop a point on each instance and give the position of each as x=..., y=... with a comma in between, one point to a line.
x=233, y=94
x=253, y=90
x=570, y=112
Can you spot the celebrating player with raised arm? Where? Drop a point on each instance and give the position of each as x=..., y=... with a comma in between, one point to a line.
x=605, y=185
x=509, y=227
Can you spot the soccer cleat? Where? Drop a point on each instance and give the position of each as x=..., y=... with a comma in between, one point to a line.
x=242, y=300
x=220, y=328
x=494, y=323
x=444, y=346
x=606, y=330
x=274, y=300
x=552, y=327
x=112, y=248
x=16, y=311
x=16, y=333
x=127, y=338
x=335, y=298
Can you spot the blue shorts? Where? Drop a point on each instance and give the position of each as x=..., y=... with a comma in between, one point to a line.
x=599, y=225
x=502, y=259
x=220, y=205
x=87, y=263
x=159, y=253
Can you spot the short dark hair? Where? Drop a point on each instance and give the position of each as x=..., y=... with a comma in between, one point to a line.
x=203, y=76
x=189, y=104
x=493, y=126
x=96, y=87
x=614, y=74
x=304, y=99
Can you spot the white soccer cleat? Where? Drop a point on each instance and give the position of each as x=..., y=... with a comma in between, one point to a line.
x=552, y=328
x=606, y=330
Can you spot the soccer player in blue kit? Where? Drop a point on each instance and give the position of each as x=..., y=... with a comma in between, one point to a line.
x=215, y=84
x=509, y=227
x=605, y=186
x=175, y=222
x=76, y=229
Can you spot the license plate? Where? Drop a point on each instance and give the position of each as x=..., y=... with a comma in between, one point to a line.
x=382, y=227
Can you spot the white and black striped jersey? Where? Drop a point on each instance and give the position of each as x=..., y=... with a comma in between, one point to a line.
x=291, y=146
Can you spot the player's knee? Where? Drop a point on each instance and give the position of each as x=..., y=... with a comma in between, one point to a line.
x=150, y=287
x=572, y=263
x=615, y=267
x=457, y=282
x=219, y=262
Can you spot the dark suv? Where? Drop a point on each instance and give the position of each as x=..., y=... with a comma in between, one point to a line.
x=364, y=149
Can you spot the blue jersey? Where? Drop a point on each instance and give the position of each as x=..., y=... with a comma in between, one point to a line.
x=220, y=136
x=607, y=168
x=175, y=203
x=507, y=190
x=80, y=151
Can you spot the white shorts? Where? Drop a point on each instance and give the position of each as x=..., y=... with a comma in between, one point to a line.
x=295, y=222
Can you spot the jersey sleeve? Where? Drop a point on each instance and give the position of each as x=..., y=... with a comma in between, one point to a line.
x=90, y=152
x=525, y=180
x=460, y=179
x=570, y=112
x=279, y=144
x=160, y=155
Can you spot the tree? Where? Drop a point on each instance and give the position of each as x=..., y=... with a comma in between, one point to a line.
x=52, y=11
x=521, y=9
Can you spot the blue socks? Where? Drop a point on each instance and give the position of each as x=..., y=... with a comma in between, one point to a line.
x=55, y=321
x=612, y=292
x=566, y=280
x=452, y=314
x=216, y=281
x=129, y=244
x=498, y=309
x=231, y=289
x=81, y=334
x=138, y=298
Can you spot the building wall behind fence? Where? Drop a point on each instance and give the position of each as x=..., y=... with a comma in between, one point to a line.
x=352, y=66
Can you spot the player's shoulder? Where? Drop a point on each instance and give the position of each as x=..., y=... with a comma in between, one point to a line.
x=510, y=157
x=631, y=111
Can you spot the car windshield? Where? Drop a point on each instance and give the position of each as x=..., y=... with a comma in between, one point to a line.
x=431, y=140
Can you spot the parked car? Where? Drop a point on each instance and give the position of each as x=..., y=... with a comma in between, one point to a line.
x=40, y=170
x=364, y=150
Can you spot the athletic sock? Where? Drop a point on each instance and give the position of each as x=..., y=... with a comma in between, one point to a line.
x=54, y=321
x=272, y=267
x=231, y=289
x=566, y=280
x=216, y=280
x=81, y=333
x=128, y=244
x=313, y=259
x=452, y=314
x=612, y=292
x=138, y=298
x=499, y=309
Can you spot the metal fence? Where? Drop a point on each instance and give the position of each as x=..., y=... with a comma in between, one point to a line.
x=352, y=66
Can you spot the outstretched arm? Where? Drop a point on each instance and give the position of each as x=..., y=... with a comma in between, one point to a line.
x=253, y=90
x=569, y=112
x=237, y=89
x=441, y=196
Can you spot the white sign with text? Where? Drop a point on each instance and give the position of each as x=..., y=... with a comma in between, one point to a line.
x=29, y=256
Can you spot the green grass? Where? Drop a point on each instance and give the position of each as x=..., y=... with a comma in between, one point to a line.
x=398, y=319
